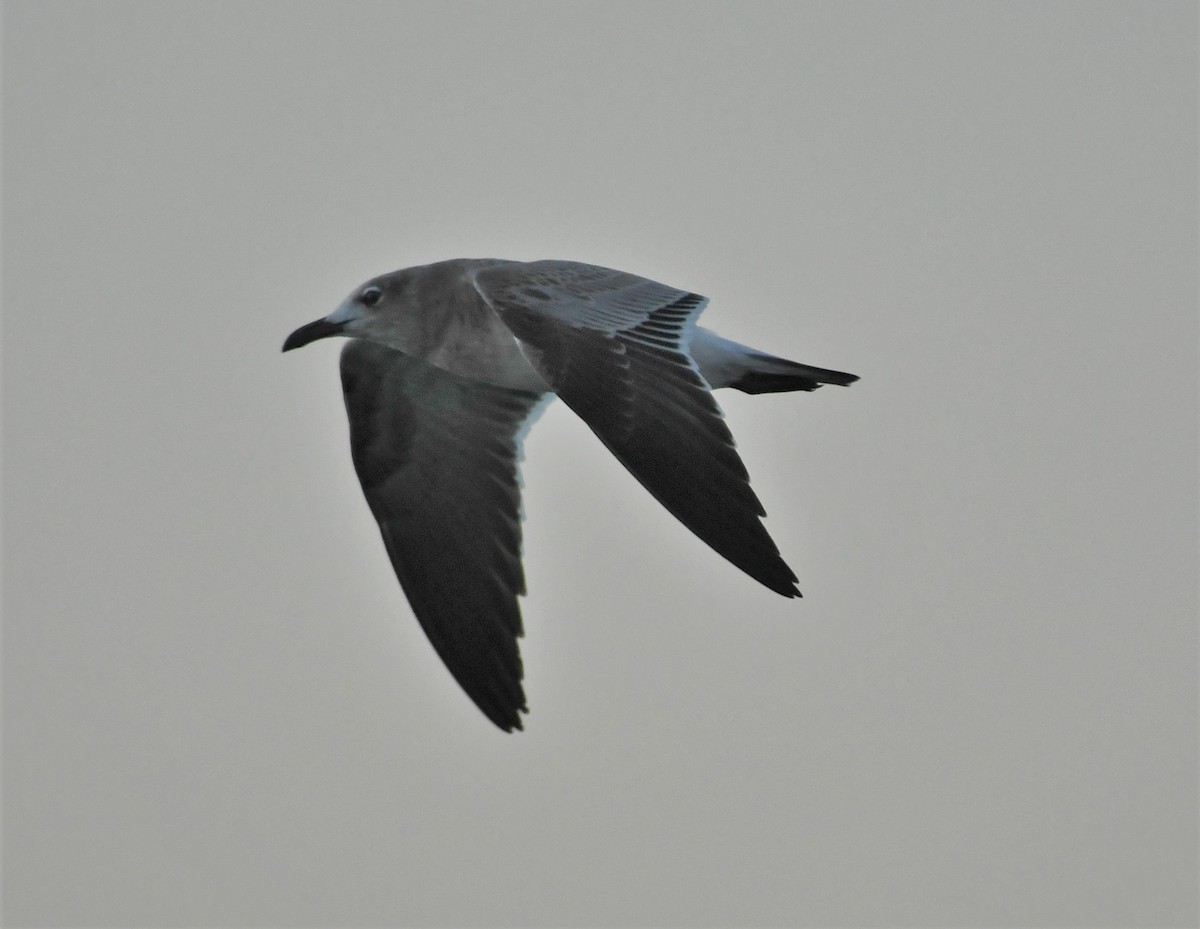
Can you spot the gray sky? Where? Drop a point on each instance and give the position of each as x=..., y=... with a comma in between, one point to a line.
x=218, y=709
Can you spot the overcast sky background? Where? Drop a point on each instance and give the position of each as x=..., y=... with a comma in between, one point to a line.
x=218, y=709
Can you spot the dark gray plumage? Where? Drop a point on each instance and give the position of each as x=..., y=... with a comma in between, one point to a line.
x=448, y=367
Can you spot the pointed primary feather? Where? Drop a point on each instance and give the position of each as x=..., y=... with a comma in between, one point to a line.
x=437, y=457
x=614, y=346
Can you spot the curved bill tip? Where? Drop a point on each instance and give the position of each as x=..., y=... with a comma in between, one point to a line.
x=321, y=329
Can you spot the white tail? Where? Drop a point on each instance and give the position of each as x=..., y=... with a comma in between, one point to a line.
x=729, y=364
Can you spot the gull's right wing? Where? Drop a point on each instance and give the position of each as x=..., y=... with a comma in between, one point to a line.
x=614, y=346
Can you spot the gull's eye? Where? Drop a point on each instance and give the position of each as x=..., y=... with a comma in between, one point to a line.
x=370, y=296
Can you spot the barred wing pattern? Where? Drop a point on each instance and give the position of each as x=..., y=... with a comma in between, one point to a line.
x=437, y=456
x=614, y=346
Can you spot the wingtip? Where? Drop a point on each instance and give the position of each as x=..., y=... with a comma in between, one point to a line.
x=507, y=721
x=785, y=588
x=778, y=577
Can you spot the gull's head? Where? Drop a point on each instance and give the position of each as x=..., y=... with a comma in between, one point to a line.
x=381, y=310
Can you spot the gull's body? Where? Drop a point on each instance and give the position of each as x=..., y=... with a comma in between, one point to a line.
x=449, y=365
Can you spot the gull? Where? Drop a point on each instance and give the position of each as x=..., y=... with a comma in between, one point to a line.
x=449, y=364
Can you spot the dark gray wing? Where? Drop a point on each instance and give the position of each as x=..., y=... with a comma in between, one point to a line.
x=614, y=347
x=437, y=456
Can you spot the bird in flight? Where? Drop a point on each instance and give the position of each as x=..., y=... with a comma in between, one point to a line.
x=447, y=367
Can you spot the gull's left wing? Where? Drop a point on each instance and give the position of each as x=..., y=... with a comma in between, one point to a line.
x=614, y=346
x=437, y=457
